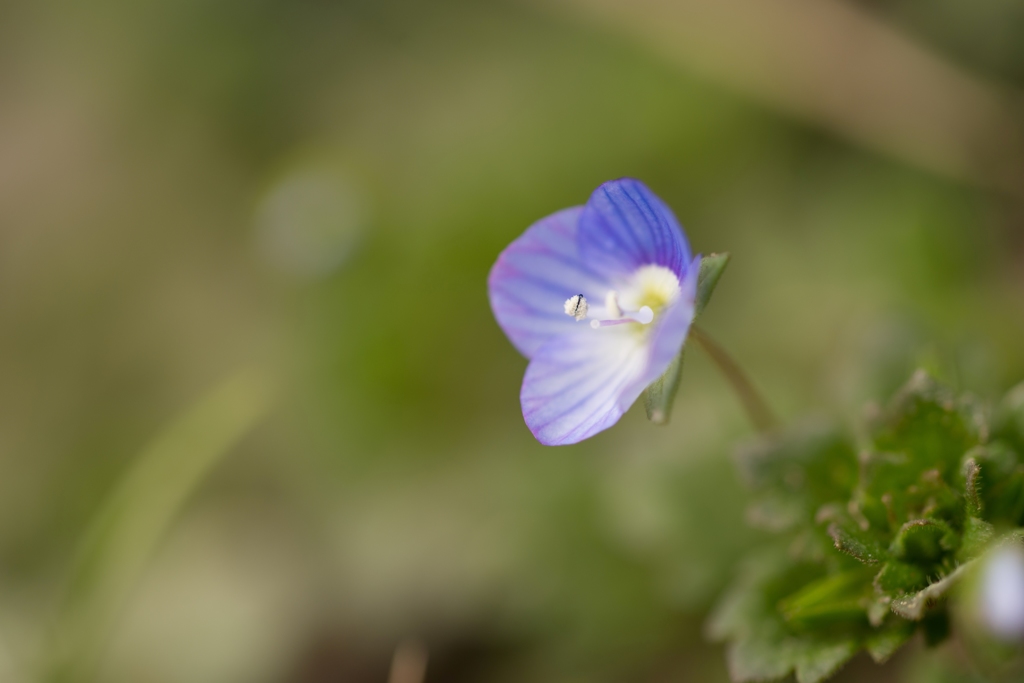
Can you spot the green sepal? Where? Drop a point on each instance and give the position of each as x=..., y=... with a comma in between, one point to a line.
x=711, y=268
x=661, y=393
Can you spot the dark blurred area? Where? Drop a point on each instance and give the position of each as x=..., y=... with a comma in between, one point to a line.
x=257, y=423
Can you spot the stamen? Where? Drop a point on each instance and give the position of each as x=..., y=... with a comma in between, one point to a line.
x=576, y=307
x=611, y=304
x=608, y=323
x=644, y=316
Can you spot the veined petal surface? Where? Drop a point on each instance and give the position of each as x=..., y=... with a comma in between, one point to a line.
x=582, y=382
x=625, y=226
x=574, y=383
x=533, y=277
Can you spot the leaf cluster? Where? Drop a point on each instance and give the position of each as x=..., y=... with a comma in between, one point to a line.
x=871, y=534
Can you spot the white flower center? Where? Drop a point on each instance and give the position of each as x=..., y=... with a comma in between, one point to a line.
x=649, y=290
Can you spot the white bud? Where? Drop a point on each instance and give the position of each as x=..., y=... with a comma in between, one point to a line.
x=576, y=307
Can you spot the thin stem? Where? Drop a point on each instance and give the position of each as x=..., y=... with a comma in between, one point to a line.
x=755, y=406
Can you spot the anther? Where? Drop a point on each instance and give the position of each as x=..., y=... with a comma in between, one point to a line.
x=576, y=307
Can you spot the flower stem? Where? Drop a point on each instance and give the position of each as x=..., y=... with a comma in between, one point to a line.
x=754, y=405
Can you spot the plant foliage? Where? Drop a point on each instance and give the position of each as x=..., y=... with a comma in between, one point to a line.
x=872, y=535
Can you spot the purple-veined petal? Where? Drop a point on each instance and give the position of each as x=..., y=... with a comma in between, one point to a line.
x=581, y=382
x=668, y=334
x=573, y=385
x=533, y=277
x=624, y=226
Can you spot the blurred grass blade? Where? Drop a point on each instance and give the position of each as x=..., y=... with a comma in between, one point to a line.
x=836, y=65
x=130, y=524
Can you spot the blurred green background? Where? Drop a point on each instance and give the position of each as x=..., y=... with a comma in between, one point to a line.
x=257, y=422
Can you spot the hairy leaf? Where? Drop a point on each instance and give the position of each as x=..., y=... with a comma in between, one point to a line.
x=856, y=545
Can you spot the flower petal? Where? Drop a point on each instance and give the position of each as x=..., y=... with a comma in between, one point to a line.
x=573, y=385
x=580, y=383
x=624, y=226
x=667, y=336
x=533, y=277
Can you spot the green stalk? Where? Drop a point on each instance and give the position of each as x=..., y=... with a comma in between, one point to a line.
x=755, y=406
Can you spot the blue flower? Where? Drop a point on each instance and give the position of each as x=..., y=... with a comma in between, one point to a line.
x=600, y=299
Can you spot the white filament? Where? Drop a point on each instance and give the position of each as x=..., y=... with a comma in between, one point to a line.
x=611, y=304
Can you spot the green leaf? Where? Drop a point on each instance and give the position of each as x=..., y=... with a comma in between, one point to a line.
x=816, y=661
x=743, y=607
x=660, y=395
x=899, y=578
x=924, y=422
x=1008, y=422
x=856, y=545
x=761, y=658
x=881, y=497
x=772, y=655
x=976, y=536
x=884, y=642
x=916, y=605
x=810, y=464
x=711, y=268
x=923, y=541
x=835, y=597
x=914, y=505
x=1001, y=482
x=972, y=484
